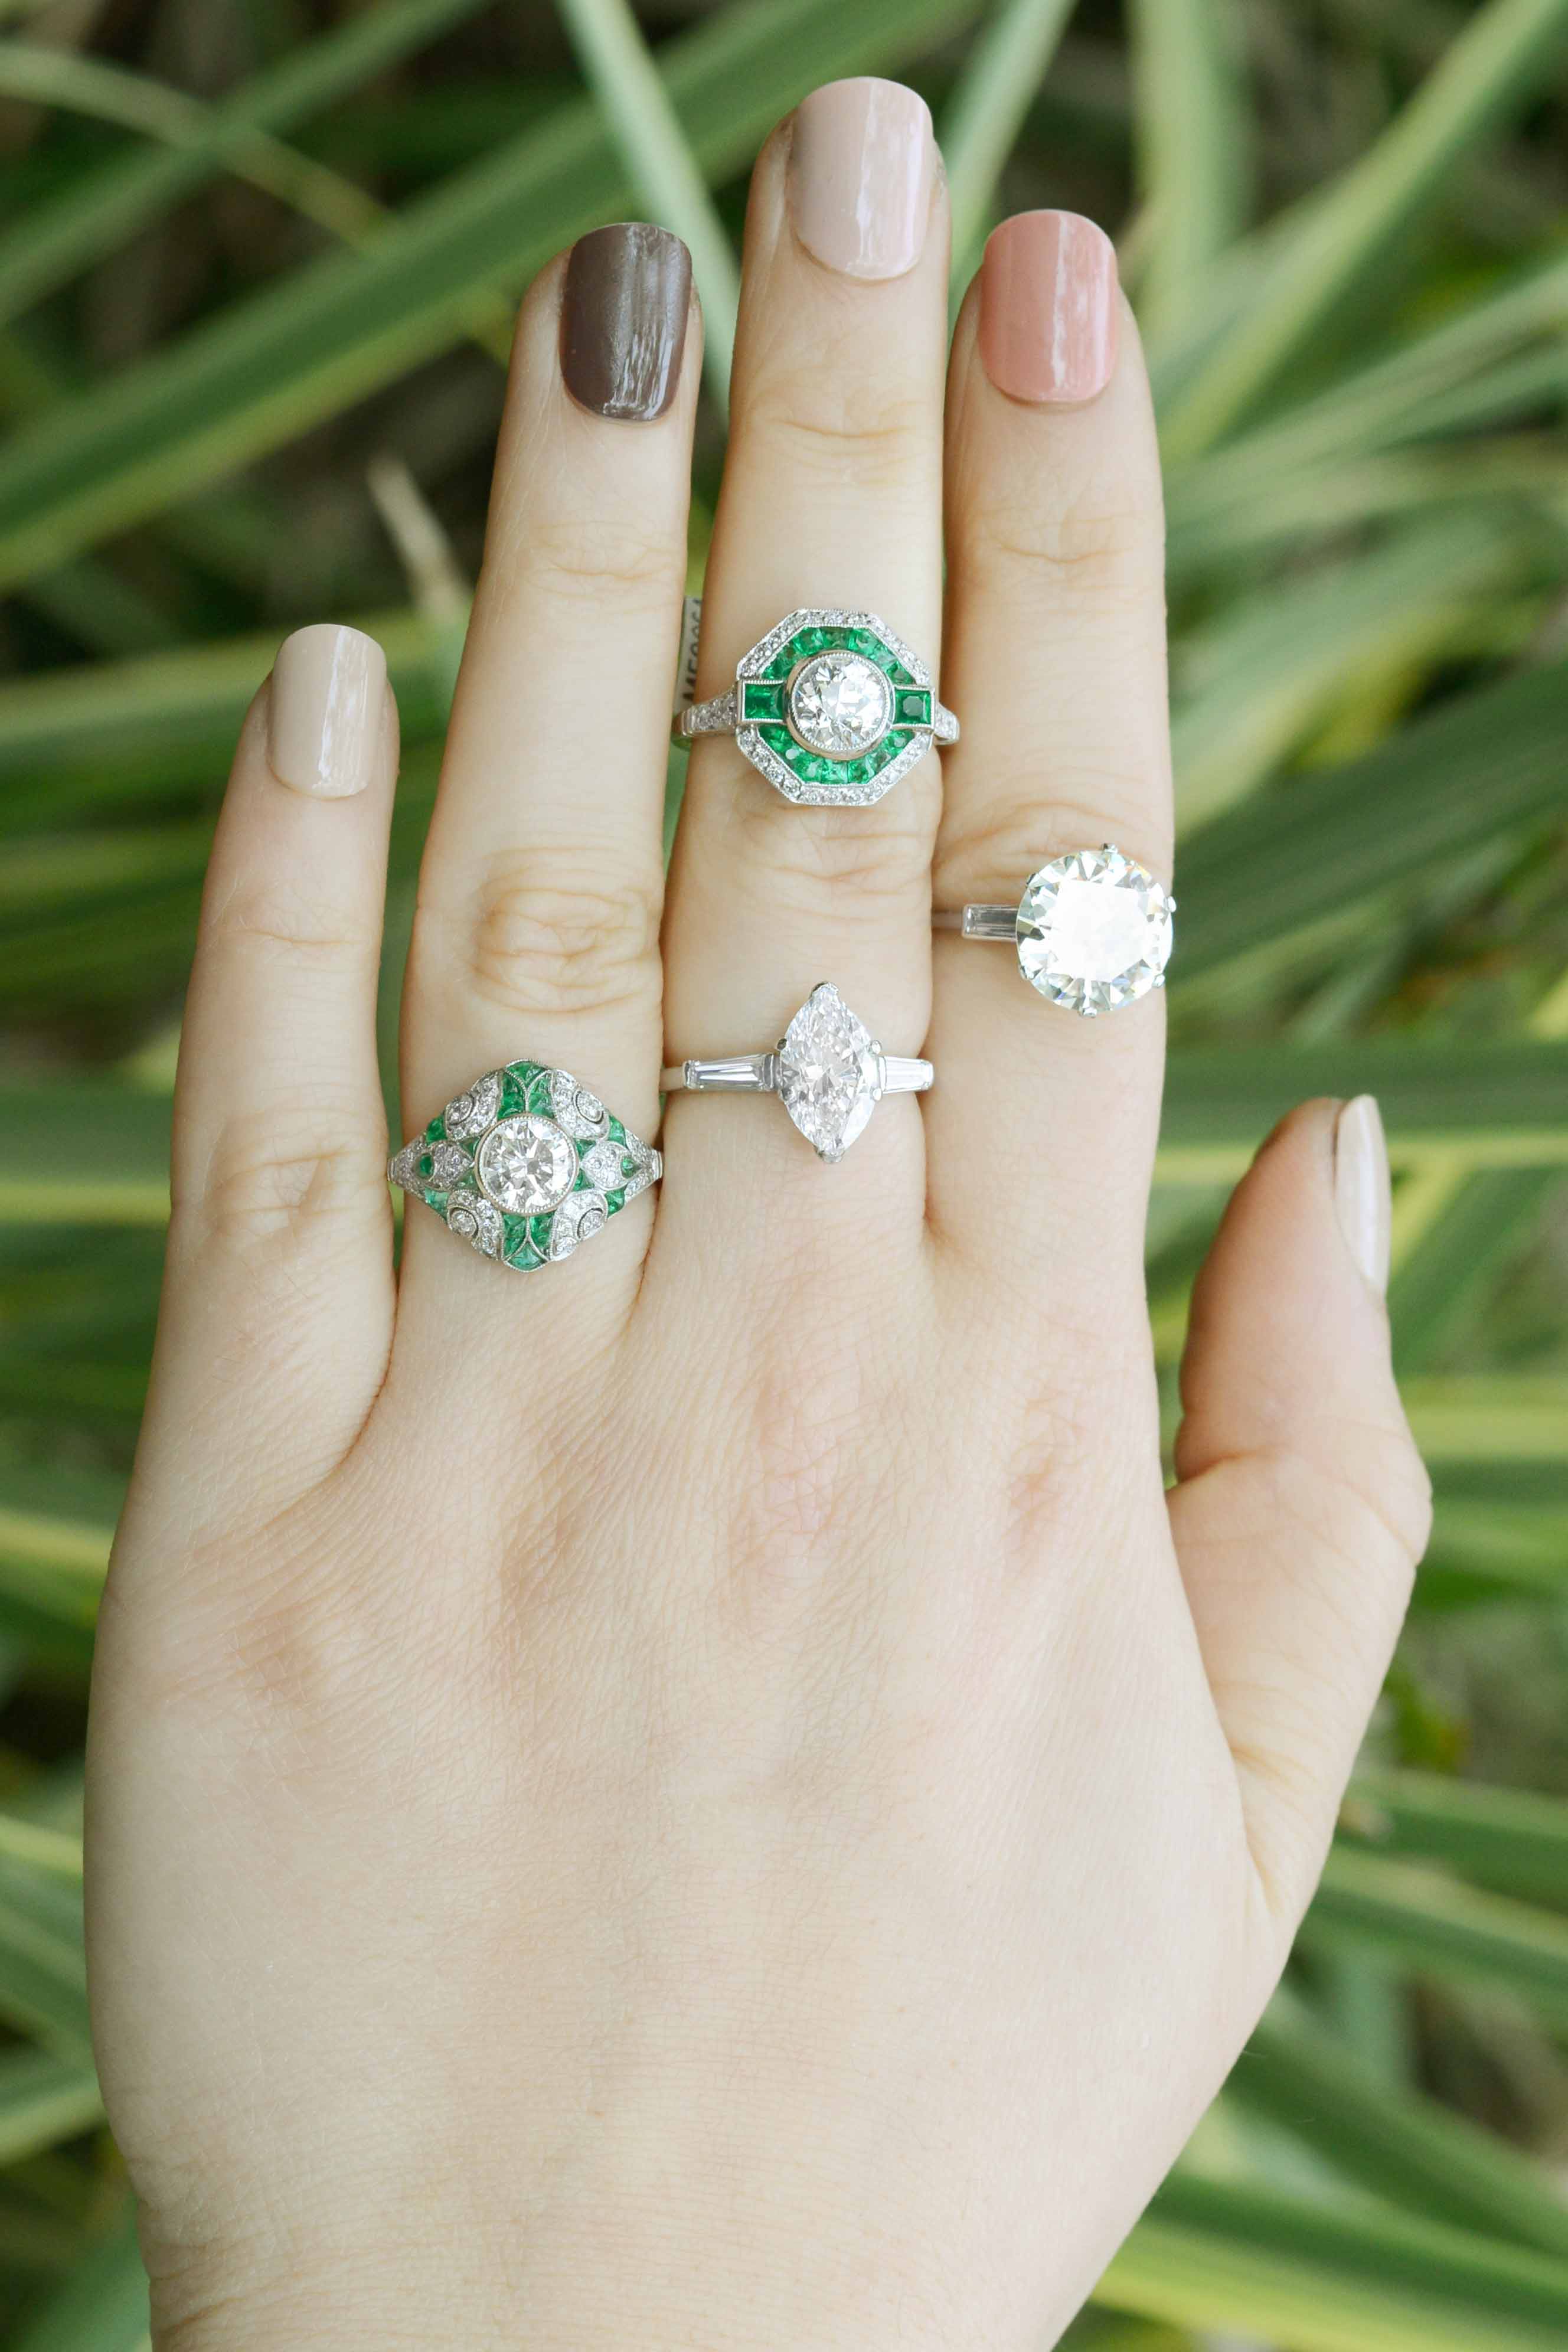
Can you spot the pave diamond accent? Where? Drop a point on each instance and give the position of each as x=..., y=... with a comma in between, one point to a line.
x=468, y=1113
x=1094, y=931
x=840, y=704
x=526, y=1165
x=830, y=1072
x=576, y=1108
x=449, y=1164
x=578, y=1219
x=477, y=1221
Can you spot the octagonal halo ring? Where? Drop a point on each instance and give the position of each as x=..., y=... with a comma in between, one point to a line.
x=832, y=707
x=525, y=1165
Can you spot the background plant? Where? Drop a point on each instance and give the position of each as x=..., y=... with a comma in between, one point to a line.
x=256, y=259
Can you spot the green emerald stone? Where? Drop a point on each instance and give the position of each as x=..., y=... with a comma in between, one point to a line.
x=436, y=1130
x=539, y=1233
x=914, y=706
x=614, y=1200
x=762, y=698
x=617, y=1132
x=513, y=1091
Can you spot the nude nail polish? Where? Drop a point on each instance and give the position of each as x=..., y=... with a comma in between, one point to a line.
x=861, y=165
x=1363, y=1195
x=623, y=319
x=324, y=711
x=1049, y=311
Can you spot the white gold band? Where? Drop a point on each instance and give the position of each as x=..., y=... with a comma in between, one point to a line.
x=758, y=1074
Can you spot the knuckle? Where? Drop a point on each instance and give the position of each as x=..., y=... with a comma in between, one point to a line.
x=863, y=860
x=548, y=937
x=1096, y=544
x=829, y=425
x=279, y=916
x=273, y=1176
x=584, y=558
x=1027, y=818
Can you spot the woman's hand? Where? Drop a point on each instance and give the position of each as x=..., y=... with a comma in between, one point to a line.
x=710, y=1797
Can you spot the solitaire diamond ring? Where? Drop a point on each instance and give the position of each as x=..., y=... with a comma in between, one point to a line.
x=831, y=706
x=525, y=1164
x=828, y=1070
x=1092, y=930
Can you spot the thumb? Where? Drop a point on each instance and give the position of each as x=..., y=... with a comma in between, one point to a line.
x=1302, y=1505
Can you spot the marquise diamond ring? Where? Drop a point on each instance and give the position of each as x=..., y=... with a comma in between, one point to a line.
x=525, y=1164
x=1092, y=930
x=828, y=1070
x=831, y=706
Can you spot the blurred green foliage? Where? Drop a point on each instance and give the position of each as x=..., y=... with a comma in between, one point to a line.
x=256, y=259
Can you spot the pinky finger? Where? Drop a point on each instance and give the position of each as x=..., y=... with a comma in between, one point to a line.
x=1302, y=1505
x=278, y=1297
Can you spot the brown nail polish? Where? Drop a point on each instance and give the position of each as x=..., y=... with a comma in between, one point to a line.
x=623, y=319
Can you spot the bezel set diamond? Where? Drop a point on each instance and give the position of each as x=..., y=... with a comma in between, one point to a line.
x=526, y=1165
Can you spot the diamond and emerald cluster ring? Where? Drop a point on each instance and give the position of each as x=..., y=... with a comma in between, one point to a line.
x=1092, y=930
x=525, y=1164
x=831, y=706
x=828, y=1070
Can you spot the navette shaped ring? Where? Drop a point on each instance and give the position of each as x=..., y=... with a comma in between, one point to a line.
x=1092, y=930
x=826, y=1069
x=831, y=706
x=525, y=1164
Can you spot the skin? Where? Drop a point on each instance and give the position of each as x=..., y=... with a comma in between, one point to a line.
x=713, y=1798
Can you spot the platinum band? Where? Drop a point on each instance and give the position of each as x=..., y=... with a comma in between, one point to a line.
x=758, y=1074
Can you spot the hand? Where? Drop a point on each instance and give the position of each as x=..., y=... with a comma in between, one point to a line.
x=709, y=1796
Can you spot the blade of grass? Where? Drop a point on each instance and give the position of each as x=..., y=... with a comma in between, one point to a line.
x=1319, y=2277
x=1334, y=840
x=44, y=2099
x=108, y=204
x=646, y=131
x=1503, y=1417
x=278, y=361
x=1435, y=1926
x=1506, y=1839
x=1192, y=135
x=101, y=2307
x=1402, y=2147
x=43, y=1973
x=1006, y=63
x=1338, y=235
x=1443, y=1282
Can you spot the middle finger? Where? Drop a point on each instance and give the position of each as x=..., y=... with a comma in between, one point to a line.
x=832, y=498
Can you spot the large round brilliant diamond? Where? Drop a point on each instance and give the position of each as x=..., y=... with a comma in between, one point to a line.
x=527, y=1165
x=840, y=704
x=1094, y=931
x=828, y=1071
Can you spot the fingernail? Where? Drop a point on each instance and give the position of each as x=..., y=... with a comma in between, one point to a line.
x=1049, y=317
x=860, y=171
x=623, y=319
x=1362, y=1193
x=325, y=712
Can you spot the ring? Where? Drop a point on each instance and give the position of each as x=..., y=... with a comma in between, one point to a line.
x=828, y=1070
x=832, y=708
x=525, y=1164
x=1092, y=930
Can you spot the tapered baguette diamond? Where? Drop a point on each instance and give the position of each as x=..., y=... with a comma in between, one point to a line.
x=1094, y=931
x=841, y=704
x=830, y=1072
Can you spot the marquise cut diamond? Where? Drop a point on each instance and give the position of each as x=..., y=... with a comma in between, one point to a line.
x=1094, y=931
x=840, y=704
x=828, y=1072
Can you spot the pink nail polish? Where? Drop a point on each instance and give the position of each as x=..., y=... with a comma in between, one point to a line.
x=1048, y=307
x=860, y=175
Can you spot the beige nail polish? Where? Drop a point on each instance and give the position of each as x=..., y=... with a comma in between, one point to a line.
x=324, y=713
x=1049, y=314
x=860, y=172
x=1361, y=1191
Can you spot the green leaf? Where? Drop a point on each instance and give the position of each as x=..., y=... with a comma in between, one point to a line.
x=1193, y=165
x=42, y=1972
x=1510, y=1840
x=103, y=2307
x=1434, y=1926
x=1335, y=839
x=105, y=208
x=1439, y=1288
x=44, y=2099
x=1003, y=73
x=1317, y=2277
x=305, y=348
x=1339, y=234
x=1401, y=2146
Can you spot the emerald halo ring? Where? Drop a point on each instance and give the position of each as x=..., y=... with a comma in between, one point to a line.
x=826, y=1069
x=1092, y=930
x=525, y=1164
x=831, y=706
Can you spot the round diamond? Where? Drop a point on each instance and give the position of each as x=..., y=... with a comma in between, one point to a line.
x=1094, y=931
x=840, y=704
x=828, y=1071
x=527, y=1165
